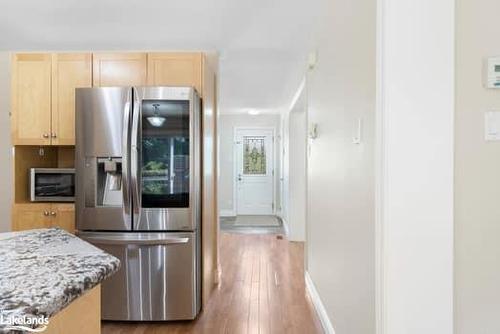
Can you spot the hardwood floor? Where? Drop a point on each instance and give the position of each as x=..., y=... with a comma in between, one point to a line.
x=262, y=290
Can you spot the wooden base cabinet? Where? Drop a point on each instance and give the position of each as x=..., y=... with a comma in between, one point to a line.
x=64, y=216
x=27, y=216
x=82, y=316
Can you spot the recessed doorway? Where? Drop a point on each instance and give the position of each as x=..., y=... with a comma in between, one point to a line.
x=254, y=170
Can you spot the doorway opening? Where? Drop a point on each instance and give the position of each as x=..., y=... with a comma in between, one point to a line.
x=249, y=167
x=293, y=180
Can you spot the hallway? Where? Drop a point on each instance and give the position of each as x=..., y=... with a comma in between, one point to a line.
x=262, y=290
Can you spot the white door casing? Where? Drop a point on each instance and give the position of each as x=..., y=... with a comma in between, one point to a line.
x=254, y=171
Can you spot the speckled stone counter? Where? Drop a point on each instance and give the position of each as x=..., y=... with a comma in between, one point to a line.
x=42, y=271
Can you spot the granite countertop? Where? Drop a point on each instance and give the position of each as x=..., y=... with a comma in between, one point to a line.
x=42, y=271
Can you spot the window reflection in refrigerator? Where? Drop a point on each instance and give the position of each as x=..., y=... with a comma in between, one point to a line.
x=165, y=154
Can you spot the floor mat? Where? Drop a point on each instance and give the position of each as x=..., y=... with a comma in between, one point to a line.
x=228, y=224
x=257, y=221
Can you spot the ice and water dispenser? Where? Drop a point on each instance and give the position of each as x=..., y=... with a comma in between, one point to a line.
x=109, y=182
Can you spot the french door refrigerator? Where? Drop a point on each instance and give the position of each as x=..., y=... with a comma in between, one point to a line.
x=138, y=196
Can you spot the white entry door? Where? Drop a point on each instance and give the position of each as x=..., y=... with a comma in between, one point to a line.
x=254, y=171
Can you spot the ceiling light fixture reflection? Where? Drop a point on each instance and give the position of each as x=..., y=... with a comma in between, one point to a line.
x=253, y=112
x=156, y=120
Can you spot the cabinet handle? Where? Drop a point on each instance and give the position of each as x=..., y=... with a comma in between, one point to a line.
x=54, y=135
x=45, y=213
x=53, y=213
x=45, y=135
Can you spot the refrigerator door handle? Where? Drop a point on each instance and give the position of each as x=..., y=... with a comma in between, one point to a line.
x=125, y=157
x=135, y=241
x=134, y=157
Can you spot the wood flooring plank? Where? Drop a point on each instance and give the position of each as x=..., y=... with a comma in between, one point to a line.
x=264, y=309
x=262, y=291
x=253, y=311
x=277, y=318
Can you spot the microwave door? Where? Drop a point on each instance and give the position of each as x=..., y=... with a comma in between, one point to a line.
x=52, y=184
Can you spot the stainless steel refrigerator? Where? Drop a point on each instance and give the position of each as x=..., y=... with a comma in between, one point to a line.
x=138, y=196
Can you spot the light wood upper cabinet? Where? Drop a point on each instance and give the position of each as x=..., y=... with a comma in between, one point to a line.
x=43, y=96
x=175, y=69
x=43, y=86
x=69, y=71
x=31, y=99
x=119, y=69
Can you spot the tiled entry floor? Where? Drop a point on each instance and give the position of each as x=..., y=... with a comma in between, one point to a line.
x=262, y=290
x=252, y=224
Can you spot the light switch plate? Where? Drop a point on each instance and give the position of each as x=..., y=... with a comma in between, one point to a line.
x=492, y=75
x=492, y=126
x=359, y=130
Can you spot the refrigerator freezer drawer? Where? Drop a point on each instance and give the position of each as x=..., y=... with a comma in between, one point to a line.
x=158, y=278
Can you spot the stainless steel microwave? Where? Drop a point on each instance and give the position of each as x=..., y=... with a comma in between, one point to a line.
x=52, y=184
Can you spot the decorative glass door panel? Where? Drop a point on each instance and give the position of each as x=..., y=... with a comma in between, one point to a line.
x=254, y=155
x=165, y=154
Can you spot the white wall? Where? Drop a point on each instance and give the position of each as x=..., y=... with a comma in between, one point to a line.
x=416, y=107
x=285, y=170
x=294, y=176
x=341, y=223
x=477, y=180
x=298, y=196
x=5, y=150
x=227, y=123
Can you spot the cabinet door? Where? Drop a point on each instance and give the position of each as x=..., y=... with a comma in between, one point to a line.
x=69, y=71
x=119, y=69
x=31, y=76
x=175, y=69
x=31, y=216
x=63, y=216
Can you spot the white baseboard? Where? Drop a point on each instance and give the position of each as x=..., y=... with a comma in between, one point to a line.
x=318, y=305
x=227, y=213
x=217, y=275
x=285, y=227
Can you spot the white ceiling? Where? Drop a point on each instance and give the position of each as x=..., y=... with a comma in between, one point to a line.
x=263, y=44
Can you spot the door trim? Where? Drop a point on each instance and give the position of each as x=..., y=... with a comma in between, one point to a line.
x=235, y=163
